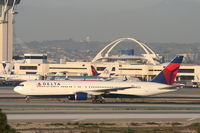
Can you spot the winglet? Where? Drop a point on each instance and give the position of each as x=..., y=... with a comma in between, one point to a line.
x=167, y=76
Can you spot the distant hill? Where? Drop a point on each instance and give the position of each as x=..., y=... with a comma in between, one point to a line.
x=86, y=51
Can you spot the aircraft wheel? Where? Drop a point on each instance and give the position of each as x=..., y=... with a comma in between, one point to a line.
x=66, y=100
x=102, y=101
x=27, y=99
x=94, y=101
x=98, y=99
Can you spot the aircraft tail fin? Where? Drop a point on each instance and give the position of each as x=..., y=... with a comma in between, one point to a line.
x=7, y=68
x=167, y=76
x=94, y=71
x=106, y=72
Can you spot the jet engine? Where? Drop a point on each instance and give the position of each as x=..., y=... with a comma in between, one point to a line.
x=81, y=96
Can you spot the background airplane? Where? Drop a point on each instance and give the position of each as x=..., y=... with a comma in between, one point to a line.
x=94, y=77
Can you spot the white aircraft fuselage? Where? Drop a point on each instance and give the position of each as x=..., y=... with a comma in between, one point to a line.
x=62, y=88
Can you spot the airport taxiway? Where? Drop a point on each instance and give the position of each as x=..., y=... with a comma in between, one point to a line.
x=103, y=115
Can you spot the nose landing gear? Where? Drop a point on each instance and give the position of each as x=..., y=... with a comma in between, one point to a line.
x=27, y=99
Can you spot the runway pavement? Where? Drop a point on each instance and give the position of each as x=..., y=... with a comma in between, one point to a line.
x=111, y=106
x=103, y=115
x=101, y=112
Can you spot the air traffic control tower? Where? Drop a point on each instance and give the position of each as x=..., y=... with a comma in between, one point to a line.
x=7, y=11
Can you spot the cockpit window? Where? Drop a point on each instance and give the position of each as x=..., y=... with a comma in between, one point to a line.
x=21, y=85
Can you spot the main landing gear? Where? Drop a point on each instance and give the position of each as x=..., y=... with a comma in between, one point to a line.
x=98, y=99
x=65, y=100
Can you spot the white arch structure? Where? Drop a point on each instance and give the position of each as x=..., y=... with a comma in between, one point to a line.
x=150, y=55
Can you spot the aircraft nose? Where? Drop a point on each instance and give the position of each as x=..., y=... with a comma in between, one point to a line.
x=18, y=89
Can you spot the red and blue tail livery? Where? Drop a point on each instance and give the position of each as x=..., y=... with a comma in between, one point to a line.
x=94, y=71
x=168, y=75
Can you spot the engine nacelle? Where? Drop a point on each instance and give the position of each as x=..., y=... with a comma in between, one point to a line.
x=81, y=96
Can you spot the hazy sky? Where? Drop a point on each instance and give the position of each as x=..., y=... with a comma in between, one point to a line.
x=106, y=20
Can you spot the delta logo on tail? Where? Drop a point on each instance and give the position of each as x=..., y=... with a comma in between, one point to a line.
x=94, y=71
x=7, y=68
x=167, y=76
x=4, y=65
x=4, y=68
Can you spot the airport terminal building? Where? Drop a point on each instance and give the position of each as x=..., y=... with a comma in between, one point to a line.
x=142, y=71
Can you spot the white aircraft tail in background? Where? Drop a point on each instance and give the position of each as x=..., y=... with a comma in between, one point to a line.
x=7, y=68
x=106, y=72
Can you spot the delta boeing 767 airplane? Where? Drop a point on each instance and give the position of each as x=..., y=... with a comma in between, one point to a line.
x=97, y=90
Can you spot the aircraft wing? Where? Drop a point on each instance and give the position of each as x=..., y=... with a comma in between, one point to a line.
x=174, y=87
x=106, y=91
